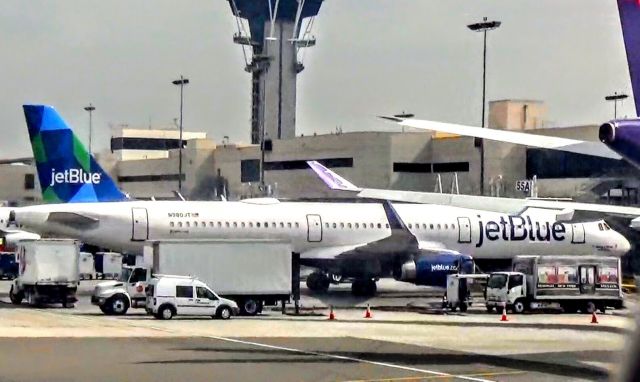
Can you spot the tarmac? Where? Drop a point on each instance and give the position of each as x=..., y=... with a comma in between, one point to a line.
x=422, y=344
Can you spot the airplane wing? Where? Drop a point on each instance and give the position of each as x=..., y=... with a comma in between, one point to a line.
x=487, y=203
x=533, y=140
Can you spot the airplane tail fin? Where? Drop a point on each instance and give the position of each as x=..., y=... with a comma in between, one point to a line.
x=630, y=22
x=66, y=170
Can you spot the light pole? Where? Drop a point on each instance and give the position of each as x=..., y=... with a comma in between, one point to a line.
x=181, y=82
x=615, y=98
x=483, y=27
x=90, y=109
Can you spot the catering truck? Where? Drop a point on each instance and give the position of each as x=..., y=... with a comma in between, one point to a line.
x=47, y=272
x=254, y=273
x=570, y=283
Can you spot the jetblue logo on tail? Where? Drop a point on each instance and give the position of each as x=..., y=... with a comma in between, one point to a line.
x=75, y=176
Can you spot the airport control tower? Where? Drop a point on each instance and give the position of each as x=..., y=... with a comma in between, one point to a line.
x=272, y=44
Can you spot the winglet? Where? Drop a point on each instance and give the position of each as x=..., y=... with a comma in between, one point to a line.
x=331, y=179
x=395, y=221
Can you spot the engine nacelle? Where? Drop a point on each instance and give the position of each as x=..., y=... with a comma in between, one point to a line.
x=432, y=269
x=623, y=137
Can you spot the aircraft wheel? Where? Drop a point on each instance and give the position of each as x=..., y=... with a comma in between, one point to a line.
x=364, y=288
x=318, y=282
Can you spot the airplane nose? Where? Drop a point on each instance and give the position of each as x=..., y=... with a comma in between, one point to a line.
x=624, y=246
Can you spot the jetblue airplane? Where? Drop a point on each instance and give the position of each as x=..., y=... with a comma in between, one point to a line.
x=358, y=241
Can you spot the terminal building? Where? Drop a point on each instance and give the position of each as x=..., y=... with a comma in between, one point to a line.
x=145, y=163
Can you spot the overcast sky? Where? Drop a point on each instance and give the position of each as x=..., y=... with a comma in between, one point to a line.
x=372, y=57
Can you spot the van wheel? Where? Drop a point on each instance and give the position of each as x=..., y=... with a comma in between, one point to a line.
x=518, y=307
x=118, y=304
x=250, y=307
x=166, y=312
x=224, y=313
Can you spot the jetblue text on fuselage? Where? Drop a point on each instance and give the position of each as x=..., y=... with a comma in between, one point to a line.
x=75, y=176
x=517, y=228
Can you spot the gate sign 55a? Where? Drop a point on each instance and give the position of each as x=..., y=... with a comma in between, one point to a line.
x=523, y=185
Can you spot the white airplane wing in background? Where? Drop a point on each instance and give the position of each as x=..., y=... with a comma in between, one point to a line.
x=486, y=203
x=533, y=140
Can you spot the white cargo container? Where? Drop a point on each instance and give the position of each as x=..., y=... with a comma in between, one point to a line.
x=252, y=273
x=86, y=266
x=47, y=272
x=108, y=265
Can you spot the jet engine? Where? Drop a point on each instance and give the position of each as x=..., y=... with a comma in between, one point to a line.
x=431, y=268
x=623, y=137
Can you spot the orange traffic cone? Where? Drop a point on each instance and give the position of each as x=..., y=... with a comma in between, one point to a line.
x=331, y=315
x=367, y=313
x=504, y=314
x=594, y=318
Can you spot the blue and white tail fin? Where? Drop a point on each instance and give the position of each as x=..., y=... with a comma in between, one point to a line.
x=66, y=170
x=630, y=22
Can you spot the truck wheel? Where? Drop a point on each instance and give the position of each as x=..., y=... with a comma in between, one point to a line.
x=106, y=309
x=518, y=307
x=602, y=309
x=16, y=298
x=166, y=312
x=569, y=308
x=250, y=307
x=590, y=307
x=118, y=304
x=489, y=309
x=463, y=307
x=224, y=313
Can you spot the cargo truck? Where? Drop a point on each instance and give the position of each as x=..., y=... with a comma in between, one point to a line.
x=570, y=283
x=86, y=266
x=47, y=272
x=108, y=265
x=254, y=273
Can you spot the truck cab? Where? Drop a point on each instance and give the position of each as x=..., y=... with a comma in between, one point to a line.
x=508, y=290
x=116, y=297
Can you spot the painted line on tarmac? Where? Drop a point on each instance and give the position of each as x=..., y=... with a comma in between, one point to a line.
x=346, y=358
x=422, y=378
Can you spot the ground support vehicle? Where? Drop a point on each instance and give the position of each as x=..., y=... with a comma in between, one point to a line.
x=108, y=265
x=115, y=297
x=169, y=295
x=48, y=272
x=86, y=266
x=458, y=295
x=572, y=283
x=253, y=273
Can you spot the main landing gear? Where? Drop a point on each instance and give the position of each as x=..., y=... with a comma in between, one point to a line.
x=318, y=282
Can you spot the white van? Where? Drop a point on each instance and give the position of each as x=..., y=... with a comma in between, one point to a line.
x=168, y=296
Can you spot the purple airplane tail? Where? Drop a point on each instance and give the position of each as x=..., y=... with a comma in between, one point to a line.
x=630, y=21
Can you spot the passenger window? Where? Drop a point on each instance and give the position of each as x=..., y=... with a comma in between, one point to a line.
x=188, y=224
x=202, y=292
x=386, y=225
x=515, y=280
x=204, y=224
x=235, y=225
x=266, y=224
x=227, y=224
x=171, y=224
x=281, y=225
x=297, y=225
x=349, y=225
x=379, y=225
x=250, y=224
x=453, y=226
x=364, y=225
x=446, y=226
x=370, y=225
x=258, y=224
x=242, y=224
x=410, y=226
x=179, y=224
x=430, y=226
x=424, y=226
x=357, y=225
x=289, y=225
x=326, y=225
x=335, y=225
x=341, y=225
x=184, y=291
x=439, y=227
x=195, y=224
x=600, y=226
x=273, y=224
x=211, y=224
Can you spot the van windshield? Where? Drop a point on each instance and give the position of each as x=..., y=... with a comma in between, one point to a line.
x=497, y=281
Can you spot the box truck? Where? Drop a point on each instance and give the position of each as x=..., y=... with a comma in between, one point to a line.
x=47, y=272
